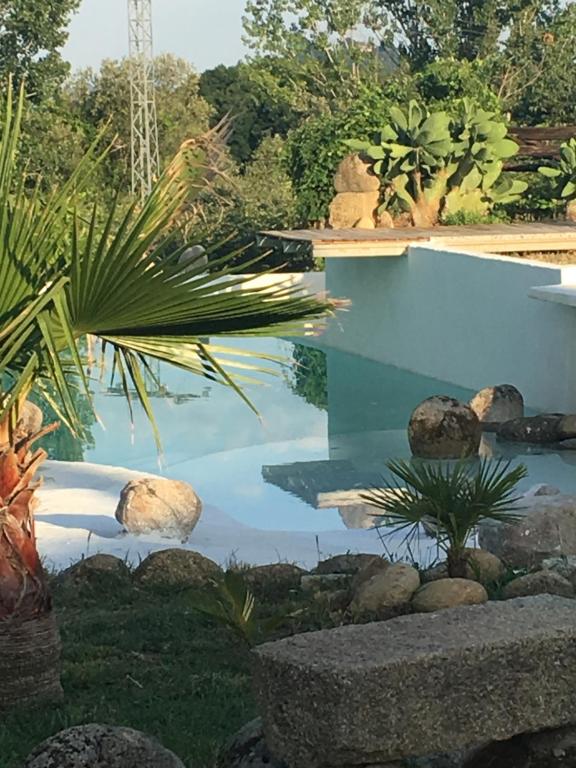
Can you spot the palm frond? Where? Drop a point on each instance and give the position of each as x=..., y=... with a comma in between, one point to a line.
x=455, y=498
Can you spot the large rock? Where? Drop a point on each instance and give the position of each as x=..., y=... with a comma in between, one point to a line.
x=389, y=588
x=549, y=749
x=546, y=528
x=101, y=746
x=155, y=504
x=248, y=749
x=448, y=593
x=355, y=175
x=30, y=419
x=565, y=566
x=177, y=568
x=540, y=583
x=495, y=405
x=347, y=563
x=274, y=580
x=443, y=428
x=95, y=570
x=354, y=209
x=542, y=429
x=483, y=566
x=420, y=684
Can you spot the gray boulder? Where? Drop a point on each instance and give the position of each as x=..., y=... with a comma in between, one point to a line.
x=443, y=428
x=540, y=583
x=389, y=588
x=274, y=580
x=177, y=568
x=360, y=695
x=495, y=405
x=546, y=528
x=541, y=430
x=95, y=570
x=348, y=563
x=156, y=504
x=101, y=746
x=565, y=566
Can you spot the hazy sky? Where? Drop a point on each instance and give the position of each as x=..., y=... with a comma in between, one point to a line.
x=206, y=32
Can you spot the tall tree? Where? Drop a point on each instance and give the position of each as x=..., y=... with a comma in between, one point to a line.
x=31, y=34
x=328, y=46
x=101, y=97
x=257, y=105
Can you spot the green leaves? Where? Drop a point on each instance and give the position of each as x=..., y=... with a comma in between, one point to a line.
x=454, y=498
x=564, y=172
x=446, y=162
x=232, y=603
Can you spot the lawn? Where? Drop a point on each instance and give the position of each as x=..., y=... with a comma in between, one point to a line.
x=141, y=658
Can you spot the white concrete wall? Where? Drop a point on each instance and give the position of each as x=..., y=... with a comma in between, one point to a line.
x=462, y=318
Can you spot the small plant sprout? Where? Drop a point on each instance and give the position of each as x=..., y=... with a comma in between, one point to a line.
x=232, y=603
x=452, y=499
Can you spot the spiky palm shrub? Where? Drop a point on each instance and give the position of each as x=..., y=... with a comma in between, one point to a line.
x=64, y=277
x=452, y=498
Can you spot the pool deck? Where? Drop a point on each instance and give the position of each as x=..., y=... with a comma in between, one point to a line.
x=484, y=238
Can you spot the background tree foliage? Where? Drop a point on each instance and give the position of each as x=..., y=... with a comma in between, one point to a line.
x=319, y=72
x=31, y=34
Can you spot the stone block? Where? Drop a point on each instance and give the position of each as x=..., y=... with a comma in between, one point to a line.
x=420, y=684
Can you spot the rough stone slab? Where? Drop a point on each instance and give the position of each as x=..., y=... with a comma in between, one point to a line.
x=419, y=684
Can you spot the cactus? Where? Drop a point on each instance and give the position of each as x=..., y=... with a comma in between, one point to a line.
x=564, y=172
x=435, y=163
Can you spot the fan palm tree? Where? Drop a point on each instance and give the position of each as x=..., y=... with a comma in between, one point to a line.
x=452, y=499
x=66, y=277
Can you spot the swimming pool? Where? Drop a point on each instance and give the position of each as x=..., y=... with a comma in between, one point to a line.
x=328, y=423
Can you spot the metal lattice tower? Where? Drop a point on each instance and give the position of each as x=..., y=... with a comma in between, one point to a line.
x=144, y=132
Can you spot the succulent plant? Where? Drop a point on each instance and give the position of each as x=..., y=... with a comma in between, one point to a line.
x=564, y=172
x=432, y=163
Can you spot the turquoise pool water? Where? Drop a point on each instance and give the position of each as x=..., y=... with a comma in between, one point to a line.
x=328, y=424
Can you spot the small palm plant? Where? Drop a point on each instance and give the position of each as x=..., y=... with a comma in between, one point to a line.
x=451, y=499
x=233, y=604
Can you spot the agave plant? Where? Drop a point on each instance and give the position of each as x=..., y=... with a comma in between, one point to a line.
x=564, y=172
x=66, y=277
x=434, y=163
x=451, y=498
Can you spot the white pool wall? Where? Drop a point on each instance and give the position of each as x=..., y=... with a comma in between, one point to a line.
x=460, y=317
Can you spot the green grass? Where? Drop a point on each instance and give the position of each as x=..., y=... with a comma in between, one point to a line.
x=143, y=659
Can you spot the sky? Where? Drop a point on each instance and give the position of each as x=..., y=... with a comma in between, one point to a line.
x=206, y=32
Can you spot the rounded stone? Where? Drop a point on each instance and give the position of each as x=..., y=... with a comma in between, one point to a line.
x=30, y=419
x=495, y=405
x=346, y=563
x=277, y=579
x=177, y=567
x=354, y=174
x=157, y=504
x=540, y=583
x=101, y=746
x=448, y=593
x=483, y=566
x=389, y=588
x=95, y=569
x=444, y=428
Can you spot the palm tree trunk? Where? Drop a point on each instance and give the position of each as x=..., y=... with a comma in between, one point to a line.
x=29, y=639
